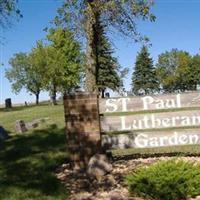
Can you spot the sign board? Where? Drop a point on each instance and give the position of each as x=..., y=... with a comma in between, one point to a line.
x=153, y=139
x=170, y=112
x=156, y=102
x=150, y=121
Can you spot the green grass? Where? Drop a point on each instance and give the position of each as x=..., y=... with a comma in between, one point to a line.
x=9, y=116
x=28, y=161
x=179, y=150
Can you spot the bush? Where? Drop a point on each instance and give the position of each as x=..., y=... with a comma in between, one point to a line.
x=173, y=179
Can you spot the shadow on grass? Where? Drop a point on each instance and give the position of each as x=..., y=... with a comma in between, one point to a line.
x=28, y=162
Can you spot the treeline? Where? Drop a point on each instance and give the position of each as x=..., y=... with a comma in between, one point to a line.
x=54, y=66
x=175, y=71
x=57, y=65
x=60, y=65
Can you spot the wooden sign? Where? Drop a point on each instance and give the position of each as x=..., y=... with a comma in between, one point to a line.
x=166, y=114
x=150, y=121
x=153, y=139
x=156, y=102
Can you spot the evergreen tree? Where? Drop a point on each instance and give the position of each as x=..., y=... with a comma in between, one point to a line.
x=117, y=15
x=108, y=73
x=144, y=76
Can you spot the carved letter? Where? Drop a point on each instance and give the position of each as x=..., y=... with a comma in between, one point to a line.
x=141, y=141
x=124, y=104
x=146, y=101
x=111, y=103
x=123, y=124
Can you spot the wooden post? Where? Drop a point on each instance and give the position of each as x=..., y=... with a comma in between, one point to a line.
x=82, y=128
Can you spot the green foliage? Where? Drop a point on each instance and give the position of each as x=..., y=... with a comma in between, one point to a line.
x=8, y=8
x=174, y=71
x=119, y=15
x=144, y=76
x=195, y=70
x=57, y=65
x=64, y=60
x=18, y=71
x=108, y=75
x=25, y=72
x=166, y=180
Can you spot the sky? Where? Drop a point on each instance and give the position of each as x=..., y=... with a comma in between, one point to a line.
x=176, y=26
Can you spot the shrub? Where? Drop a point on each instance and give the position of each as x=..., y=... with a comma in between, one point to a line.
x=173, y=179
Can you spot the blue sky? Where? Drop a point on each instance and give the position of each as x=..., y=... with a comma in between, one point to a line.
x=176, y=26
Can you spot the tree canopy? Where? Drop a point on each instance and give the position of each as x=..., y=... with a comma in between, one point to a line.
x=55, y=66
x=25, y=74
x=195, y=71
x=7, y=9
x=174, y=71
x=120, y=15
x=64, y=61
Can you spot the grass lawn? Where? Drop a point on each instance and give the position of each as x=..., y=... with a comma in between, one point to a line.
x=28, y=161
x=175, y=150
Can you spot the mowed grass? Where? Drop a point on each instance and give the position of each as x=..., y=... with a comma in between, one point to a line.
x=28, y=161
x=170, y=150
x=8, y=117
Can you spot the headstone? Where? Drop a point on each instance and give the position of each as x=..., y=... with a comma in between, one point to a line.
x=20, y=126
x=107, y=95
x=3, y=133
x=8, y=103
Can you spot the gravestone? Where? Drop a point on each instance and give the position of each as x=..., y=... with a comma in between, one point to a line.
x=8, y=103
x=20, y=126
x=3, y=133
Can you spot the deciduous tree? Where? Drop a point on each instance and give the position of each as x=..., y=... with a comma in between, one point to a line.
x=173, y=71
x=195, y=71
x=64, y=62
x=7, y=9
x=120, y=15
x=23, y=74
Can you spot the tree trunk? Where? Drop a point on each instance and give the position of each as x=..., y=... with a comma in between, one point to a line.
x=102, y=93
x=37, y=98
x=53, y=95
x=91, y=54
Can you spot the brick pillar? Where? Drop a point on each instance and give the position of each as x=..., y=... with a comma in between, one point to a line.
x=82, y=127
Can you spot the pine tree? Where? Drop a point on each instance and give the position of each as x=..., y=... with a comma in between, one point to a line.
x=108, y=68
x=144, y=76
